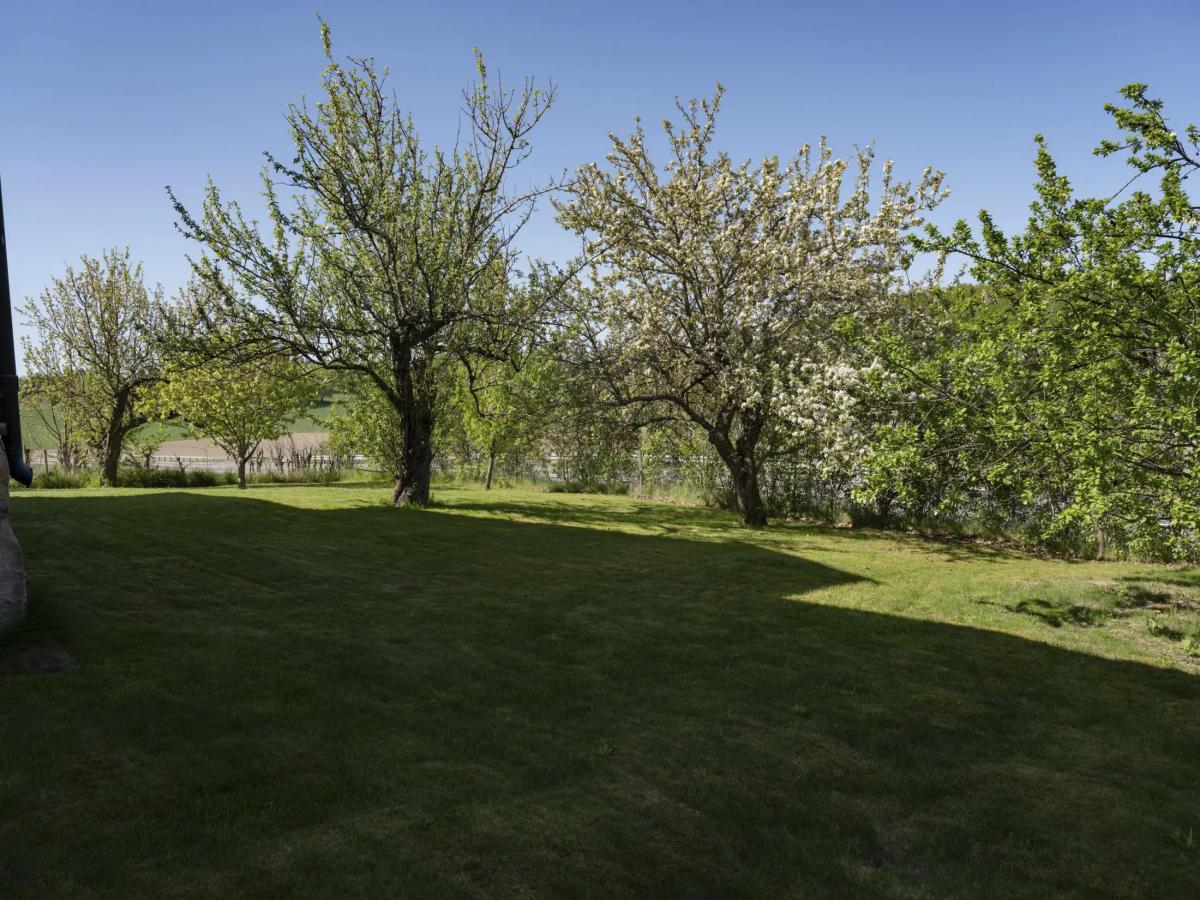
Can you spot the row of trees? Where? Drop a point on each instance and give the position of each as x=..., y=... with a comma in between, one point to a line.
x=761, y=316
x=104, y=364
x=703, y=290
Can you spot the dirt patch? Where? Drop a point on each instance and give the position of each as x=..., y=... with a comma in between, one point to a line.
x=203, y=447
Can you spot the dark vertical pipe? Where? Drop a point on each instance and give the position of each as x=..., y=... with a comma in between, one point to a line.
x=10, y=407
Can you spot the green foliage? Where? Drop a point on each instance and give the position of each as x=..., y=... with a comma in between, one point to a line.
x=503, y=404
x=236, y=405
x=367, y=423
x=1065, y=382
x=96, y=346
x=56, y=479
x=47, y=422
x=133, y=477
x=391, y=259
x=143, y=443
x=141, y=477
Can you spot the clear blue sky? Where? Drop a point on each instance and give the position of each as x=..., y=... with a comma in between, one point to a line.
x=104, y=103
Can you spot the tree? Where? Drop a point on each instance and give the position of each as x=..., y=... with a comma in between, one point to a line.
x=238, y=406
x=1052, y=393
x=368, y=424
x=142, y=445
x=393, y=258
x=1072, y=369
x=503, y=405
x=713, y=283
x=42, y=399
x=96, y=348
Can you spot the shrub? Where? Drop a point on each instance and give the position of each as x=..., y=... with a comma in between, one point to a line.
x=173, y=478
x=588, y=487
x=310, y=475
x=55, y=479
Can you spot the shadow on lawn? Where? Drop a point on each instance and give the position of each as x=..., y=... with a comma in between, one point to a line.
x=283, y=701
x=1059, y=613
x=668, y=519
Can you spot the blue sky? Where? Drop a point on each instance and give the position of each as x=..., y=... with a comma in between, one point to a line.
x=103, y=104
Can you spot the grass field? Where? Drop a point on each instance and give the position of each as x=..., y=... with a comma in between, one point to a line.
x=37, y=435
x=299, y=691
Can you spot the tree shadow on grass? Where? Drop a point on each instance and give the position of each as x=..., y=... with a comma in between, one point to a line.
x=1059, y=613
x=668, y=519
x=1160, y=591
x=337, y=485
x=284, y=701
x=950, y=548
x=574, y=509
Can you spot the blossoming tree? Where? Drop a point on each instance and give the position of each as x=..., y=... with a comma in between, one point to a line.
x=713, y=286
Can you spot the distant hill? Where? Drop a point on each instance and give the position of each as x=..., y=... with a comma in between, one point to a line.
x=36, y=435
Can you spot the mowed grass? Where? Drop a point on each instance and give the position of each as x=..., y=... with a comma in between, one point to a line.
x=298, y=691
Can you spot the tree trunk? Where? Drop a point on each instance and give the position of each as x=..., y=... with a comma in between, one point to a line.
x=416, y=472
x=114, y=440
x=749, y=498
x=415, y=409
x=112, y=444
x=242, y=473
x=743, y=473
x=487, y=484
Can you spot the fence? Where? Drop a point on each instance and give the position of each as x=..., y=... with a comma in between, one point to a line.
x=45, y=460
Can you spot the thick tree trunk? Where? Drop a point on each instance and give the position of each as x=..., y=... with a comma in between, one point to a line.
x=743, y=473
x=242, y=473
x=114, y=441
x=112, y=445
x=415, y=409
x=111, y=463
x=416, y=472
x=487, y=484
x=749, y=498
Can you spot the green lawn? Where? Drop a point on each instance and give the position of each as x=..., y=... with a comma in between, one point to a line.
x=298, y=691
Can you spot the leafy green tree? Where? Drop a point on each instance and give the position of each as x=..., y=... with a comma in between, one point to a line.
x=237, y=405
x=591, y=439
x=505, y=405
x=393, y=258
x=142, y=444
x=42, y=401
x=96, y=347
x=1069, y=376
x=713, y=283
x=366, y=422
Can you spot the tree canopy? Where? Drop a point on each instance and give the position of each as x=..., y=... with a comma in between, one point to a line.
x=1069, y=375
x=95, y=348
x=713, y=284
x=392, y=257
